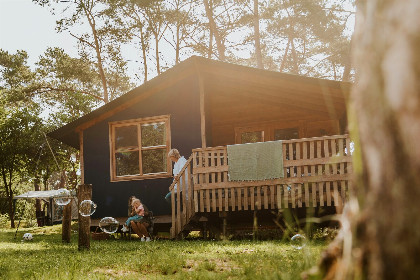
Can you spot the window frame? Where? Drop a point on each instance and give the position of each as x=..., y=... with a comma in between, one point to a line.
x=139, y=122
x=268, y=128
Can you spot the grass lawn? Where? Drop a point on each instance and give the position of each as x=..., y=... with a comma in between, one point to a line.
x=46, y=257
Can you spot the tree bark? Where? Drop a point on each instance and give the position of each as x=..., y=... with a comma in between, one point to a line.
x=91, y=19
x=386, y=100
x=84, y=192
x=257, y=37
x=215, y=31
x=66, y=223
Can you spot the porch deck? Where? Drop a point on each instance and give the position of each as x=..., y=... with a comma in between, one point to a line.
x=316, y=173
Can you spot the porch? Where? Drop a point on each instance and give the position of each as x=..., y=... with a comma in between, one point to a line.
x=316, y=174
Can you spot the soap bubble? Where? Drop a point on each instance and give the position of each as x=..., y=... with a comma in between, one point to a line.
x=109, y=224
x=87, y=208
x=63, y=198
x=298, y=241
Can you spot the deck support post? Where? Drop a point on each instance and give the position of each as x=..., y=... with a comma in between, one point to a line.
x=204, y=231
x=84, y=192
x=255, y=226
x=223, y=214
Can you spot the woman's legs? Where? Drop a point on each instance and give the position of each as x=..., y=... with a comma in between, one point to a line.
x=140, y=228
x=133, y=218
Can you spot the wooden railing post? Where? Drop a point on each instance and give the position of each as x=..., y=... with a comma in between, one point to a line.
x=66, y=222
x=84, y=192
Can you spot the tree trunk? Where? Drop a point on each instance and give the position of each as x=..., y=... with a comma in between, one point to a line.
x=11, y=209
x=143, y=49
x=214, y=30
x=84, y=192
x=97, y=47
x=386, y=101
x=66, y=221
x=347, y=63
x=157, y=52
x=257, y=36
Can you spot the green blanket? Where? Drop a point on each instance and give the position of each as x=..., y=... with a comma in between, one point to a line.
x=255, y=161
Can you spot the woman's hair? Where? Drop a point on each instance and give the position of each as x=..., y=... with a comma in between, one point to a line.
x=134, y=201
x=174, y=153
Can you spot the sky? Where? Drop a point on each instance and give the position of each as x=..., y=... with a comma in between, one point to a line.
x=27, y=26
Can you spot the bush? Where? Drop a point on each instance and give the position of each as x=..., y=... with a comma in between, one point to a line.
x=326, y=234
x=25, y=211
x=4, y=221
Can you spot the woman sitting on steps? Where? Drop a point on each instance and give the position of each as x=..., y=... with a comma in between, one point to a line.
x=137, y=221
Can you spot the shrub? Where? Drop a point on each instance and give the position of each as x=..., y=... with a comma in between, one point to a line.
x=4, y=221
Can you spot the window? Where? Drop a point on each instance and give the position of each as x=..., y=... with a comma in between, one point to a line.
x=139, y=148
x=286, y=134
x=268, y=132
x=252, y=137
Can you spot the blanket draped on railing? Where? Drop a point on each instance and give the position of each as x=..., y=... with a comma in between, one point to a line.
x=255, y=161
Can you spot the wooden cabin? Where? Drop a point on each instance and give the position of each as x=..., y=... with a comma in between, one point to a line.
x=201, y=106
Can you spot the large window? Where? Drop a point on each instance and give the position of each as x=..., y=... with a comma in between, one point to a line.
x=139, y=148
x=268, y=132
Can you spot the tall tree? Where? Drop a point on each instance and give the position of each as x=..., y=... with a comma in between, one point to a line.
x=256, y=21
x=215, y=31
x=128, y=18
x=98, y=43
x=384, y=243
x=182, y=24
x=308, y=37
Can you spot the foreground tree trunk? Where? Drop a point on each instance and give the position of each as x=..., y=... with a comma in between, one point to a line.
x=385, y=243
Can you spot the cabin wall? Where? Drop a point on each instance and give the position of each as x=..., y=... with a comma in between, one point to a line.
x=181, y=102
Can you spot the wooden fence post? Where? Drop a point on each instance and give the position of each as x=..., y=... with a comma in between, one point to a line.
x=84, y=192
x=66, y=223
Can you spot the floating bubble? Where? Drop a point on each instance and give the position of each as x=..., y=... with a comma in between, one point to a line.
x=109, y=224
x=63, y=198
x=298, y=241
x=87, y=208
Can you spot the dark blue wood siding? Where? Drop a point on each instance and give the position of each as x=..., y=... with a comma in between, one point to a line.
x=182, y=103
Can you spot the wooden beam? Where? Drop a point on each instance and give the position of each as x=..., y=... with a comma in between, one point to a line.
x=81, y=159
x=202, y=110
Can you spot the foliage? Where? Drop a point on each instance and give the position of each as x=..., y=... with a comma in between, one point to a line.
x=46, y=257
x=4, y=221
x=24, y=154
x=309, y=38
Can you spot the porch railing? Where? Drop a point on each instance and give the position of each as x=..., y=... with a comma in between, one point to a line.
x=181, y=203
x=316, y=173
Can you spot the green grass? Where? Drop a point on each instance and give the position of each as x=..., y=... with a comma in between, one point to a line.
x=46, y=257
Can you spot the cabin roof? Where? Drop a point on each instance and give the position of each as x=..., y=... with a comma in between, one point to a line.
x=294, y=89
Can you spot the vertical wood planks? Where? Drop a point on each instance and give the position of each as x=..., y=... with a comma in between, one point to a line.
x=252, y=195
x=246, y=201
x=265, y=192
x=272, y=201
x=278, y=187
x=259, y=203
x=232, y=197
x=213, y=200
x=226, y=193
x=207, y=192
x=239, y=198
x=219, y=196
